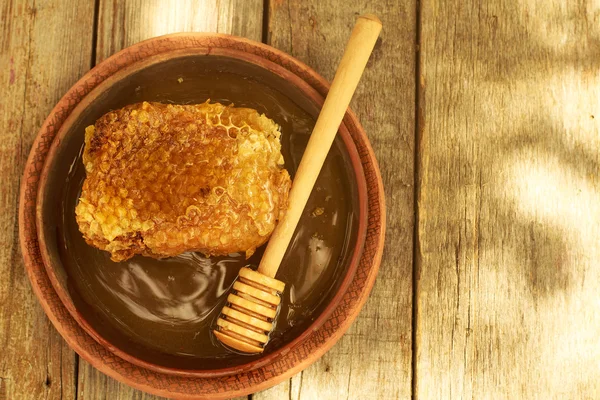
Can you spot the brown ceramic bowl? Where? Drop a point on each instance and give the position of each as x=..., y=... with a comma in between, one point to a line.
x=226, y=69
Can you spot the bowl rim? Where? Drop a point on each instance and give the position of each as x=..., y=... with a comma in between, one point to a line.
x=313, y=96
x=266, y=376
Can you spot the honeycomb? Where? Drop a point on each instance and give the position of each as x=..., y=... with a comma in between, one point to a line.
x=163, y=179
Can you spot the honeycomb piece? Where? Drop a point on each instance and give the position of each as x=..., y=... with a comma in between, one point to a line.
x=163, y=179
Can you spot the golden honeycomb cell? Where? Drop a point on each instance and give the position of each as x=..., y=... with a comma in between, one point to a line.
x=163, y=179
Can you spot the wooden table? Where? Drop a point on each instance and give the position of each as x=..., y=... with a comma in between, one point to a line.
x=485, y=119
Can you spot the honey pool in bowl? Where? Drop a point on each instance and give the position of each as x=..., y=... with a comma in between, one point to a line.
x=158, y=313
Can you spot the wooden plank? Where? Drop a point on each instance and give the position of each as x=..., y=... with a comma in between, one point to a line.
x=93, y=384
x=373, y=360
x=123, y=23
x=509, y=201
x=37, y=69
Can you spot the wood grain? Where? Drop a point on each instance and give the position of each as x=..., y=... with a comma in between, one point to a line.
x=123, y=23
x=373, y=360
x=509, y=200
x=37, y=68
x=93, y=384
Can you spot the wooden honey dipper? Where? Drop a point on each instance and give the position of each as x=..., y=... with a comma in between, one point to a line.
x=247, y=320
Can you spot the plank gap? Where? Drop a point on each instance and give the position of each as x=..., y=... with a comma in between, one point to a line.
x=265, y=22
x=416, y=192
x=76, y=375
x=95, y=33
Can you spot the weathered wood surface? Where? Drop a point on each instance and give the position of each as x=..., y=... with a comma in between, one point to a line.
x=37, y=68
x=508, y=189
x=123, y=23
x=373, y=360
x=509, y=200
x=94, y=385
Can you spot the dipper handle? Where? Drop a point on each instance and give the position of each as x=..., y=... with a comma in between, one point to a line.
x=359, y=48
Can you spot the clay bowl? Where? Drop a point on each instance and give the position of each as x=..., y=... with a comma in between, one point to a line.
x=76, y=284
